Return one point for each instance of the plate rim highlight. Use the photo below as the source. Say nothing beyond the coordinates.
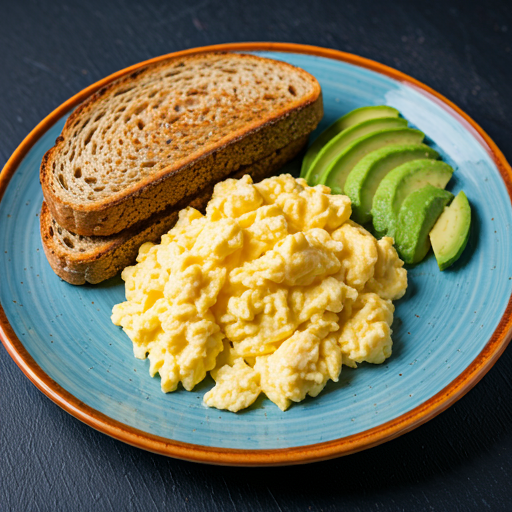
(266, 457)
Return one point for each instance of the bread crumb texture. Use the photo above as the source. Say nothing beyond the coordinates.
(271, 291)
(168, 114)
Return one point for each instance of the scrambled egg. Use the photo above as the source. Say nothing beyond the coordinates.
(271, 292)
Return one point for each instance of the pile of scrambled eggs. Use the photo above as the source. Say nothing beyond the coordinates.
(271, 292)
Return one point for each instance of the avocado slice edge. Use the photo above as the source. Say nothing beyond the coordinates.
(418, 214)
(336, 174)
(398, 184)
(450, 234)
(364, 179)
(341, 141)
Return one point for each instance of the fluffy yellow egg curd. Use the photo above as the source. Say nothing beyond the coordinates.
(271, 292)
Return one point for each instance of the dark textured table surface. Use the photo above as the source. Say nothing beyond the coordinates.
(461, 460)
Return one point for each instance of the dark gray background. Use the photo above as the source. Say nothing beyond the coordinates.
(462, 460)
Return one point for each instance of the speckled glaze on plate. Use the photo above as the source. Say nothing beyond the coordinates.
(449, 328)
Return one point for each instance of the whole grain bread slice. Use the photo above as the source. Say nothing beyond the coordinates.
(79, 259)
(166, 131)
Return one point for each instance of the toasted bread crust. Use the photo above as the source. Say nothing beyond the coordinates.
(157, 192)
(113, 253)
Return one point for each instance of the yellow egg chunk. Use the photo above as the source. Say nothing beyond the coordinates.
(359, 254)
(389, 279)
(365, 333)
(270, 291)
(237, 387)
(302, 364)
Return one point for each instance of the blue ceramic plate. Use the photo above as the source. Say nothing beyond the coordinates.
(449, 328)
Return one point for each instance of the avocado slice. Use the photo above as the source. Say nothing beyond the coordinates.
(353, 117)
(417, 216)
(336, 145)
(336, 173)
(365, 177)
(398, 184)
(450, 234)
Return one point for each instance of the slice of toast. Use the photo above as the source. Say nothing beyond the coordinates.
(166, 131)
(79, 259)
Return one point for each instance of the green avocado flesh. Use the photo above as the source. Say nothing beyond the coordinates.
(336, 174)
(364, 179)
(418, 214)
(450, 233)
(354, 117)
(398, 184)
(336, 145)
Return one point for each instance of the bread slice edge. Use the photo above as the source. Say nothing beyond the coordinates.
(150, 196)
